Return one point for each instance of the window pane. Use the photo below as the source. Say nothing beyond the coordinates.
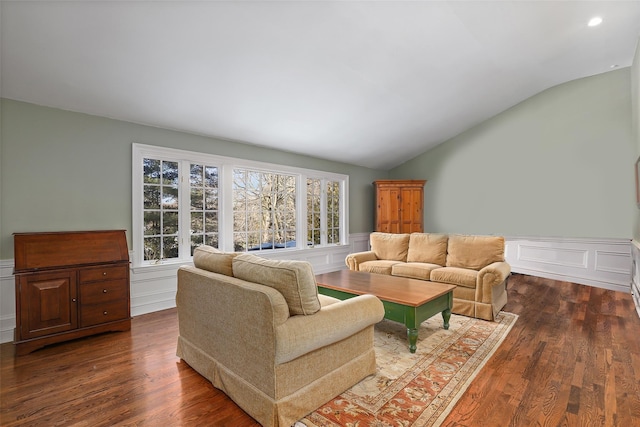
(210, 221)
(170, 197)
(170, 222)
(197, 222)
(196, 199)
(211, 176)
(152, 223)
(170, 247)
(196, 240)
(211, 240)
(151, 248)
(151, 171)
(170, 173)
(211, 199)
(195, 176)
(239, 242)
(152, 197)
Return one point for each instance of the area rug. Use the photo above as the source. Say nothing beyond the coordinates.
(419, 389)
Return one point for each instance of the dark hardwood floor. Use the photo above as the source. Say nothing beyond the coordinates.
(572, 358)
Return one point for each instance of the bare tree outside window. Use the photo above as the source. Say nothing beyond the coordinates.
(264, 210)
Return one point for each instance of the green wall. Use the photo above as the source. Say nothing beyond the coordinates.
(70, 171)
(635, 96)
(557, 164)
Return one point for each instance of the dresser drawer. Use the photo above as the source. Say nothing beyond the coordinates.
(95, 314)
(103, 273)
(100, 292)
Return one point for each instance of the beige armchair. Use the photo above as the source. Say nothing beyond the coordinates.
(259, 331)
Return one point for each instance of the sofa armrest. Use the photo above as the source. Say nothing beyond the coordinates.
(354, 260)
(490, 276)
(301, 334)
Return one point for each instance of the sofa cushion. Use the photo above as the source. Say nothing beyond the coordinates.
(455, 276)
(390, 246)
(293, 279)
(381, 266)
(211, 259)
(428, 247)
(414, 270)
(474, 252)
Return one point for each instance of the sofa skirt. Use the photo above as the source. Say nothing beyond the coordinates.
(346, 363)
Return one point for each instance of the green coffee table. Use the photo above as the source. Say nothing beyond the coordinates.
(408, 301)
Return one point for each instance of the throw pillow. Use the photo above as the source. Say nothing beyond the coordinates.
(212, 259)
(428, 248)
(388, 246)
(293, 279)
(474, 252)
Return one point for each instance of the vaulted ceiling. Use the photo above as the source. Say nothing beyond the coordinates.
(372, 83)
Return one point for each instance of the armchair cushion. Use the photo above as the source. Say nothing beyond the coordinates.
(428, 248)
(393, 247)
(293, 279)
(214, 260)
(474, 252)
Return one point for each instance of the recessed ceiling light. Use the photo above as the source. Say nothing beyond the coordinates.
(595, 21)
(615, 66)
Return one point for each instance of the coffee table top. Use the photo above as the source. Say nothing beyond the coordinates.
(402, 290)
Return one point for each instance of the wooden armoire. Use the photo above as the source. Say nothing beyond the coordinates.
(399, 205)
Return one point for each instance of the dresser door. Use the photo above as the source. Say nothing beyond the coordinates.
(48, 303)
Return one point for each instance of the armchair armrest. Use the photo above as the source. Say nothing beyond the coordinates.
(354, 260)
(490, 276)
(301, 334)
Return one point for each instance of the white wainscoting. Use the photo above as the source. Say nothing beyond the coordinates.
(153, 288)
(7, 301)
(635, 273)
(604, 263)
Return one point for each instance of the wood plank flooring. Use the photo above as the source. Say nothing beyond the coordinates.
(572, 359)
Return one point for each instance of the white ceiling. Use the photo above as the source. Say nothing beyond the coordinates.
(367, 83)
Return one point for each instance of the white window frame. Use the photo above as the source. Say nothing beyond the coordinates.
(225, 200)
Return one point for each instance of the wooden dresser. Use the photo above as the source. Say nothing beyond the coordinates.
(399, 205)
(70, 285)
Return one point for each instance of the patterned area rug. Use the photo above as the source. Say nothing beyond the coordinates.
(417, 389)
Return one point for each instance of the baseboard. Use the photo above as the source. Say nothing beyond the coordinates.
(603, 263)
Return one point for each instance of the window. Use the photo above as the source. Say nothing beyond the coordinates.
(160, 209)
(324, 220)
(183, 199)
(264, 210)
(203, 197)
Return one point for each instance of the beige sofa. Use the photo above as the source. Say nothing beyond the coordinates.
(259, 331)
(475, 264)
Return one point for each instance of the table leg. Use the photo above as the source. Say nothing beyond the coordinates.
(446, 315)
(412, 334)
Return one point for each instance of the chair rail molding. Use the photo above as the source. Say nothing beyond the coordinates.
(603, 263)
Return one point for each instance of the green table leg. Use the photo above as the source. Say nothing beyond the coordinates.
(412, 334)
(446, 315)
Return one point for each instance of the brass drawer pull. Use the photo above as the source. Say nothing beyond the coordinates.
(104, 291)
(105, 313)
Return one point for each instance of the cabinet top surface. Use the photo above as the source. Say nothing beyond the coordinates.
(49, 250)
